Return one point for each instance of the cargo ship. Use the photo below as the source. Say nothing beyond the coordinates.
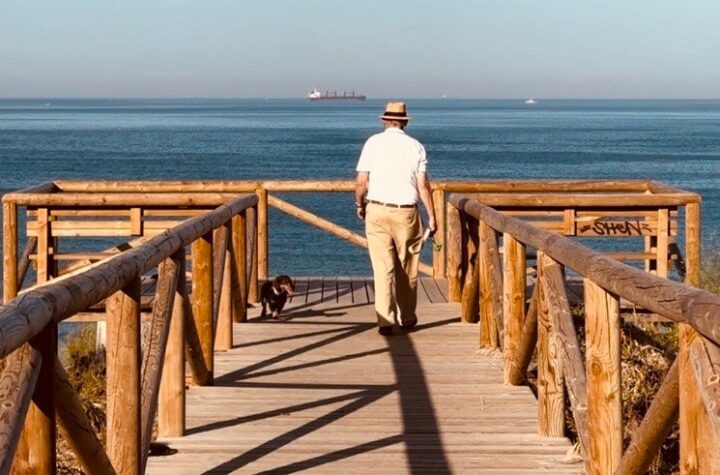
(316, 95)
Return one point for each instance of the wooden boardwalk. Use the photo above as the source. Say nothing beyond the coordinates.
(323, 393)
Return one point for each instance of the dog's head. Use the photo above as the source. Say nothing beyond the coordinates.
(284, 283)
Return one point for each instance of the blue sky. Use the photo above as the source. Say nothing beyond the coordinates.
(391, 48)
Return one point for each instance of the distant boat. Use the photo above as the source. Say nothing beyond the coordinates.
(316, 95)
(531, 101)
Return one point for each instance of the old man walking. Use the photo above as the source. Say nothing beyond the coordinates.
(391, 180)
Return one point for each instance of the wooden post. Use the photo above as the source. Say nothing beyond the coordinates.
(202, 297)
(262, 233)
(171, 406)
(155, 350)
(253, 287)
(491, 288)
(17, 383)
(514, 263)
(692, 244)
(551, 396)
(454, 254)
(604, 397)
(43, 261)
(696, 450)
(692, 410)
(663, 236)
(438, 258)
(123, 379)
(224, 332)
(10, 250)
(239, 269)
(469, 307)
(37, 444)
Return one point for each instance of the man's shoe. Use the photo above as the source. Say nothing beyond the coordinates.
(386, 330)
(408, 325)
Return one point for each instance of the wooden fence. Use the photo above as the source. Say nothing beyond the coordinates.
(230, 254)
(691, 388)
(34, 387)
(621, 209)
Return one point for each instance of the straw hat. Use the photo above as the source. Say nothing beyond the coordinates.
(395, 111)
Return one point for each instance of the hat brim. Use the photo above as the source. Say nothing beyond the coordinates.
(396, 117)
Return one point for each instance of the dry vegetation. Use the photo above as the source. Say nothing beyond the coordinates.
(85, 367)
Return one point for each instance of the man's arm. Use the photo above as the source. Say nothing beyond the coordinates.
(361, 186)
(427, 200)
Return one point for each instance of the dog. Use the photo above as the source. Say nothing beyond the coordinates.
(274, 294)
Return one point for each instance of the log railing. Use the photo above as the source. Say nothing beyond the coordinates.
(643, 209)
(545, 326)
(34, 387)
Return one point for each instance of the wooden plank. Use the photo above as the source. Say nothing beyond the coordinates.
(422, 295)
(123, 380)
(136, 221)
(514, 279)
(344, 291)
(275, 416)
(604, 396)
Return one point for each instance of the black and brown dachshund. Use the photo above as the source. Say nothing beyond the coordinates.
(274, 294)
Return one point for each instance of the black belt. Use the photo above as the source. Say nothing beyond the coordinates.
(390, 205)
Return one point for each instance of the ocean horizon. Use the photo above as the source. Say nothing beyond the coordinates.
(675, 141)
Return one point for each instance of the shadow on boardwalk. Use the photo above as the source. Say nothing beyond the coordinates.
(411, 387)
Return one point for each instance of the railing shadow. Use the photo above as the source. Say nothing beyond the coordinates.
(420, 427)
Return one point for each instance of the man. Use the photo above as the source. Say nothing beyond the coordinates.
(392, 172)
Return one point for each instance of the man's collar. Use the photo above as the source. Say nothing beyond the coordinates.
(395, 129)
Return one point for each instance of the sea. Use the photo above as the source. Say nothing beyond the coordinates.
(672, 141)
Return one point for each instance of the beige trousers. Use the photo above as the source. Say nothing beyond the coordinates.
(394, 241)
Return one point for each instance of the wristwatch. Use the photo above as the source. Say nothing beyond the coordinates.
(359, 205)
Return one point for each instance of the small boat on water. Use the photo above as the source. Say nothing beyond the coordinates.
(316, 95)
(531, 101)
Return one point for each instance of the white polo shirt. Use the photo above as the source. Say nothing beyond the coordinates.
(392, 158)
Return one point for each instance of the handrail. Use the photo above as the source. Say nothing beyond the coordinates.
(594, 385)
(24, 317)
(26, 323)
(673, 300)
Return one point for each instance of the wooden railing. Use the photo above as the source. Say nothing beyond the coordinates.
(164, 217)
(643, 209)
(545, 326)
(34, 387)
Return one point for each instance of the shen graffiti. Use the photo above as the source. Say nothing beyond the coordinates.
(617, 228)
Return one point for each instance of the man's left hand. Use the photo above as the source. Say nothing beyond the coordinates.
(432, 226)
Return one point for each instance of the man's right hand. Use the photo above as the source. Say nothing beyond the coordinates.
(360, 212)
